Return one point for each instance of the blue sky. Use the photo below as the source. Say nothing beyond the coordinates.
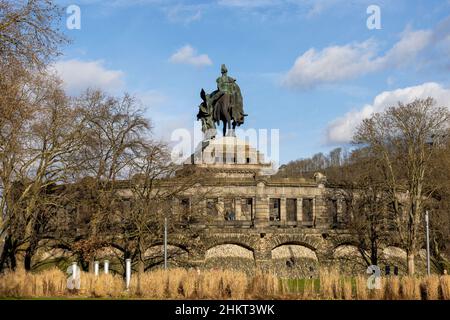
(311, 69)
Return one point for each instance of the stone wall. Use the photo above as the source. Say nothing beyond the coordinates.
(295, 253)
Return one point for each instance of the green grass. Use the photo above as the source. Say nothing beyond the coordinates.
(297, 285)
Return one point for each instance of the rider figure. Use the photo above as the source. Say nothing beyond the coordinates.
(208, 112)
(225, 83)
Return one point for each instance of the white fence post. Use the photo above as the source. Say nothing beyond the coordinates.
(128, 272)
(96, 267)
(74, 270)
(106, 266)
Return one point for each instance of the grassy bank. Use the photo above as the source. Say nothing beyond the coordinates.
(226, 284)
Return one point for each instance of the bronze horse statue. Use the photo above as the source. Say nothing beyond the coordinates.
(219, 109)
(224, 104)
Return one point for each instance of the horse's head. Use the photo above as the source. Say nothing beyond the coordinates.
(203, 95)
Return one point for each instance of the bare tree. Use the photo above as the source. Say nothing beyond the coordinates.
(440, 207)
(28, 42)
(114, 128)
(366, 205)
(28, 32)
(50, 137)
(400, 138)
(157, 188)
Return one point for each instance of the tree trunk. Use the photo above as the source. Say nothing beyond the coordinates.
(410, 263)
(5, 253)
(29, 253)
(91, 265)
(141, 266)
(27, 260)
(374, 254)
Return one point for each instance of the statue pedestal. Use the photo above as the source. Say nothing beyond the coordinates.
(230, 155)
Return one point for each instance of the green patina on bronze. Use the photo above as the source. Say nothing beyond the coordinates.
(224, 104)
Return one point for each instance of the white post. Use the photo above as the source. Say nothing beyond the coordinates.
(96, 267)
(74, 270)
(428, 242)
(128, 272)
(165, 243)
(106, 266)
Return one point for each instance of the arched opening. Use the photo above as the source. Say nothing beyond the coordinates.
(394, 258)
(294, 260)
(348, 259)
(230, 256)
(176, 256)
(46, 258)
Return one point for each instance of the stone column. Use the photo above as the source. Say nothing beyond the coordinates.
(299, 211)
(238, 208)
(320, 214)
(253, 213)
(261, 207)
(220, 209)
(203, 206)
(339, 210)
(314, 212)
(283, 217)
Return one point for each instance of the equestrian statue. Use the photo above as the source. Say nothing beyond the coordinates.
(222, 105)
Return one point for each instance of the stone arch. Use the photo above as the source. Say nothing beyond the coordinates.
(181, 245)
(114, 257)
(246, 241)
(394, 252)
(47, 257)
(348, 259)
(342, 240)
(178, 240)
(293, 239)
(177, 256)
(108, 253)
(294, 260)
(230, 256)
(394, 256)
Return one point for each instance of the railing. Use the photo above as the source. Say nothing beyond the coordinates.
(249, 224)
(278, 223)
(232, 223)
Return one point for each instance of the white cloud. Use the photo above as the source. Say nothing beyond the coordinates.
(184, 13)
(341, 130)
(331, 64)
(338, 63)
(188, 55)
(407, 48)
(79, 75)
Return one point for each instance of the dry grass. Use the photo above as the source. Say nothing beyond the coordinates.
(22, 284)
(329, 284)
(347, 289)
(430, 287)
(410, 288)
(104, 285)
(361, 288)
(392, 288)
(445, 287)
(222, 284)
